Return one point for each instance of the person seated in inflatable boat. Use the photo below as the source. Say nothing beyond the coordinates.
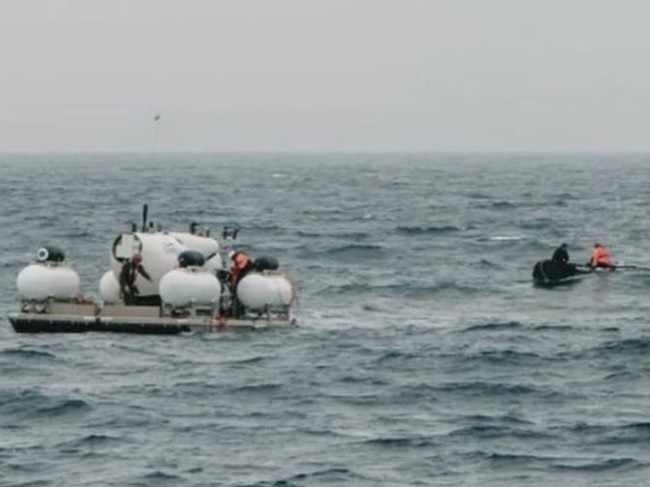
(600, 257)
(556, 269)
(561, 255)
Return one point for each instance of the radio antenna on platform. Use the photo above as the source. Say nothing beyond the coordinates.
(154, 135)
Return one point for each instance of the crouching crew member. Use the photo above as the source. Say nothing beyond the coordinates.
(130, 270)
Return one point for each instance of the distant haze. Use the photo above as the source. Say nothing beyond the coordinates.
(380, 75)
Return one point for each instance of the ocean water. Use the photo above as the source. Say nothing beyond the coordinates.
(424, 355)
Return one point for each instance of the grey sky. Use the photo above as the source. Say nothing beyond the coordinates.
(325, 74)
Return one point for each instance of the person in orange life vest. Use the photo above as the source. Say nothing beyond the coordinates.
(241, 264)
(600, 257)
(130, 270)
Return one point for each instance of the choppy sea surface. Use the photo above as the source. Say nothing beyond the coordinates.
(424, 355)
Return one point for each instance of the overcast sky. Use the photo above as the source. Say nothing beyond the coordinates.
(420, 75)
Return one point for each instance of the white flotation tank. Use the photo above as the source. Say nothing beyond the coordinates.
(109, 288)
(206, 245)
(189, 286)
(258, 291)
(159, 254)
(214, 263)
(41, 281)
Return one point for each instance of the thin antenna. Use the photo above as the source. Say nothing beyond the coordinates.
(154, 135)
(145, 211)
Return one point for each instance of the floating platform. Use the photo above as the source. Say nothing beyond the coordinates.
(173, 282)
(118, 318)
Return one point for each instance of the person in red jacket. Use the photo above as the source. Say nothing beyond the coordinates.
(600, 257)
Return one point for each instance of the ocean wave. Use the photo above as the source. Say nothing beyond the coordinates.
(496, 431)
(161, 476)
(494, 326)
(566, 196)
(623, 375)
(437, 288)
(432, 230)
(396, 355)
(506, 357)
(509, 418)
(262, 388)
(400, 290)
(356, 251)
(265, 228)
(507, 460)
(554, 328)
(366, 380)
(403, 441)
(31, 403)
(536, 224)
(344, 235)
(495, 389)
(503, 238)
(63, 407)
(608, 464)
(486, 264)
(92, 441)
(625, 346)
(497, 205)
(73, 234)
(15, 261)
(376, 308)
(26, 352)
(356, 398)
(611, 435)
(321, 211)
(478, 196)
(326, 476)
(255, 359)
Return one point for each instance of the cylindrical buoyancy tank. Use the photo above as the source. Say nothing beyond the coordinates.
(206, 245)
(182, 287)
(191, 258)
(50, 254)
(109, 288)
(265, 263)
(214, 263)
(258, 291)
(42, 281)
(159, 252)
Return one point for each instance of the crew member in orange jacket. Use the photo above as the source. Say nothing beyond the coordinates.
(600, 257)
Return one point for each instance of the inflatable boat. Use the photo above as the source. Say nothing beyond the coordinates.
(547, 273)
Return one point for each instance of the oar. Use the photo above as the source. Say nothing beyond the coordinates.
(632, 267)
(583, 269)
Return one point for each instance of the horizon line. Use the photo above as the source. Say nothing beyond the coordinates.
(331, 151)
